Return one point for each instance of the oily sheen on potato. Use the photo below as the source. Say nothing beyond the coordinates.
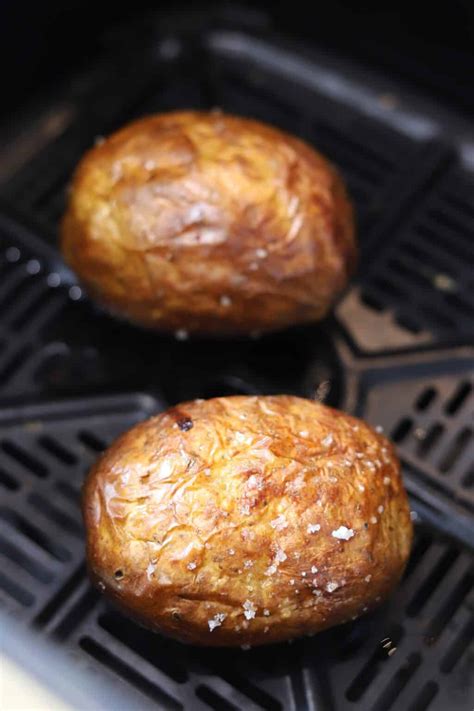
(208, 223)
(247, 520)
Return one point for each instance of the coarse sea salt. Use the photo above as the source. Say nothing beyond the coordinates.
(216, 621)
(313, 527)
(280, 556)
(343, 533)
(249, 609)
(279, 523)
(271, 570)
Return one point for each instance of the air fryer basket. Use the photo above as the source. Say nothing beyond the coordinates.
(397, 351)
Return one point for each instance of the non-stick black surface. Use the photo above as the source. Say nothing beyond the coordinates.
(397, 351)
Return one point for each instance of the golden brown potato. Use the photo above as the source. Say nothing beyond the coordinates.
(203, 222)
(247, 520)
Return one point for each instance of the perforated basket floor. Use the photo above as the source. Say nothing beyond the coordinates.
(397, 351)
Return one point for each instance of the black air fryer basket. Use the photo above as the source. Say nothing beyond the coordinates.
(398, 351)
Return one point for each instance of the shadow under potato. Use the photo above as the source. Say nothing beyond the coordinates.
(97, 348)
(180, 661)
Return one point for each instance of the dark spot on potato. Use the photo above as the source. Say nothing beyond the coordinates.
(118, 575)
(366, 525)
(185, 424)
(176, 615)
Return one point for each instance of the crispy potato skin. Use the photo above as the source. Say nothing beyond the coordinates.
(209, 223)
(211, 509)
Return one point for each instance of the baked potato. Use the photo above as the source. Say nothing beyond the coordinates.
(208, 223)
(247, 520)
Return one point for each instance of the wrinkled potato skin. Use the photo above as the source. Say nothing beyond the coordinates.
(188, 517)
(209, 223)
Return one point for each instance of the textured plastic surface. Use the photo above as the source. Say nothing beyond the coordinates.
(398, 351)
